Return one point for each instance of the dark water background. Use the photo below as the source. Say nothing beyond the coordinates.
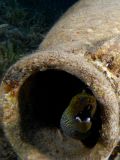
(24, 24)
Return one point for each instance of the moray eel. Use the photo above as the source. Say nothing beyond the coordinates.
(77, 120)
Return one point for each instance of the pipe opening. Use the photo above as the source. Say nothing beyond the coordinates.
(42, 99)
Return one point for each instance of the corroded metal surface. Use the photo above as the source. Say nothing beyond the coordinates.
(84, 43)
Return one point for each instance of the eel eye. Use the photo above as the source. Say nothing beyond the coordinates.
(89, 108)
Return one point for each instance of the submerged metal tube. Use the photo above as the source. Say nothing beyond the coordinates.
(84, 44)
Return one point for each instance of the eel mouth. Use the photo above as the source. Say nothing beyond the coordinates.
(43, 97)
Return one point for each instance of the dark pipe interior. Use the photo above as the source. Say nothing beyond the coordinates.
(43, 98)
